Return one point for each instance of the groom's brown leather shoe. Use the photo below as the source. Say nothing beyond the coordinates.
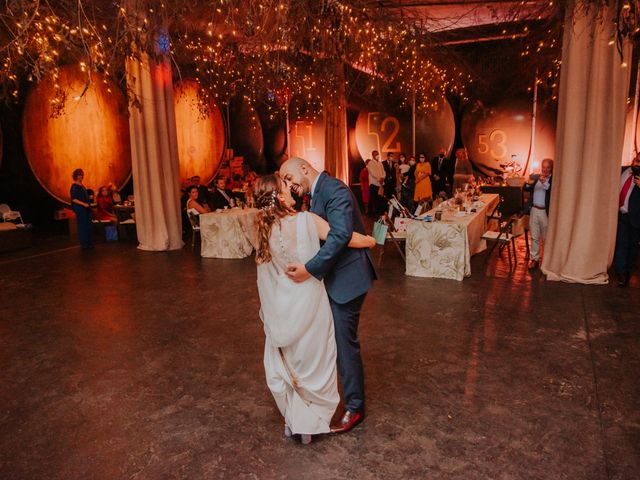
(348, 421)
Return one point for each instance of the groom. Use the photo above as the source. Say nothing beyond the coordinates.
(348, 274)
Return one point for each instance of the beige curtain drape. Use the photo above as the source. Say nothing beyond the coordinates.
(154, 154)
(336, 157)
(590, 133)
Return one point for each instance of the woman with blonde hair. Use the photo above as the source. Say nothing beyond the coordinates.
(300, 346)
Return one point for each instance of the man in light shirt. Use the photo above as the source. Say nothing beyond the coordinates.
(376, 179)
(628, 234)
(537, 207)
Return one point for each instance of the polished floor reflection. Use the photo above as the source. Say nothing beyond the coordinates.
(122, 364)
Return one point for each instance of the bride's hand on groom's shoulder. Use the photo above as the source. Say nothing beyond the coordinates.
(297, 272)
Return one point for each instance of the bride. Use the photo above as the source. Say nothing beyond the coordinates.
(300, 347)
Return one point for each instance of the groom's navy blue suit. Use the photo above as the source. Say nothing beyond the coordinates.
(348, 274)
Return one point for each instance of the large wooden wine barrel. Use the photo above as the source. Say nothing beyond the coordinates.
(274, 133)
(201, 140)
(246, 135)
(391, 132)
(495, 133)
(92, 132)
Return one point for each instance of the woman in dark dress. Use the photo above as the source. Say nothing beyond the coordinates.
(81, 206)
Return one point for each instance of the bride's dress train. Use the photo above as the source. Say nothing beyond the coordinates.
(300, 347)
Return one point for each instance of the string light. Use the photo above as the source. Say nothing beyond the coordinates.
(276, 53)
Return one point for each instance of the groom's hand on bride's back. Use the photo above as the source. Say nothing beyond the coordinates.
(297, 272)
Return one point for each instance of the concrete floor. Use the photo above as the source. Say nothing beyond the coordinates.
(122, 364)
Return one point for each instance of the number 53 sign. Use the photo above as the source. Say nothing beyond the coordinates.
(494, 144)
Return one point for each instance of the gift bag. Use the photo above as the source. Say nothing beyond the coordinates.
(380, 232)
(111, 233)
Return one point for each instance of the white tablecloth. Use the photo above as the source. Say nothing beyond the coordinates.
(444, 249)
(229, 233)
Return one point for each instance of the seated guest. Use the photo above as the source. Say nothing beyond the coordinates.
(92, 197)
(193, 206)
(236, 183)
(114, 194)
(221, 196)
(203, 193)
(104, 209)
(538, 208)
(628, 234)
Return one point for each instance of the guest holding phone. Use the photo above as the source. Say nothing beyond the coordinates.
(628, 234)
(537, 207)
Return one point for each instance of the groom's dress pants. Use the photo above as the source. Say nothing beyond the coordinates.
(345, 319)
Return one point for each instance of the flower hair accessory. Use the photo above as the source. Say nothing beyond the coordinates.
(267, 201)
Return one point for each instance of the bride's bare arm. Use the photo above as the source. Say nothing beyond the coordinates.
(357, 240)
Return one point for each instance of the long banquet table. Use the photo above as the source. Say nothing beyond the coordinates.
(228, 233)
(443, 249)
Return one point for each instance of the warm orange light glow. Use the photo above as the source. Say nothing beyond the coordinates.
(392, 133)
(492, 136)
(200, 139)
(92, 133)
(307, 140)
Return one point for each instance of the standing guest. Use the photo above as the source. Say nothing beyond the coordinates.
(403, 165)
(407, 189)
(423, 192)
(194, 207)
(364, 184)
(538, 208)
(81, 205)
(221, 197)
(389, 183)
(462, 171)
(628, 234)
(376, 180)
(440, 173)
(203, 193)
(401, 170)
(104, 209)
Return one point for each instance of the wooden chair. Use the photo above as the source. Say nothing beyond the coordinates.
(194, 220)
(125, 222)
(504, 236)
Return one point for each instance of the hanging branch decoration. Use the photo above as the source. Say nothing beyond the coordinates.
(258, 49)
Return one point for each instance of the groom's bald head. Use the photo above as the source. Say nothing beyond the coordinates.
(298, 174)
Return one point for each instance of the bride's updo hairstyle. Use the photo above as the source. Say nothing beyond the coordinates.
(270, 211)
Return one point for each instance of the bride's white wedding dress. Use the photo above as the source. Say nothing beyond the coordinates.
(300, 346)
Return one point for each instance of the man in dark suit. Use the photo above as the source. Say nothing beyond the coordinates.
(348, 274)
(440, 173)
(628, 234)
(221, 196)
(390, 175)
